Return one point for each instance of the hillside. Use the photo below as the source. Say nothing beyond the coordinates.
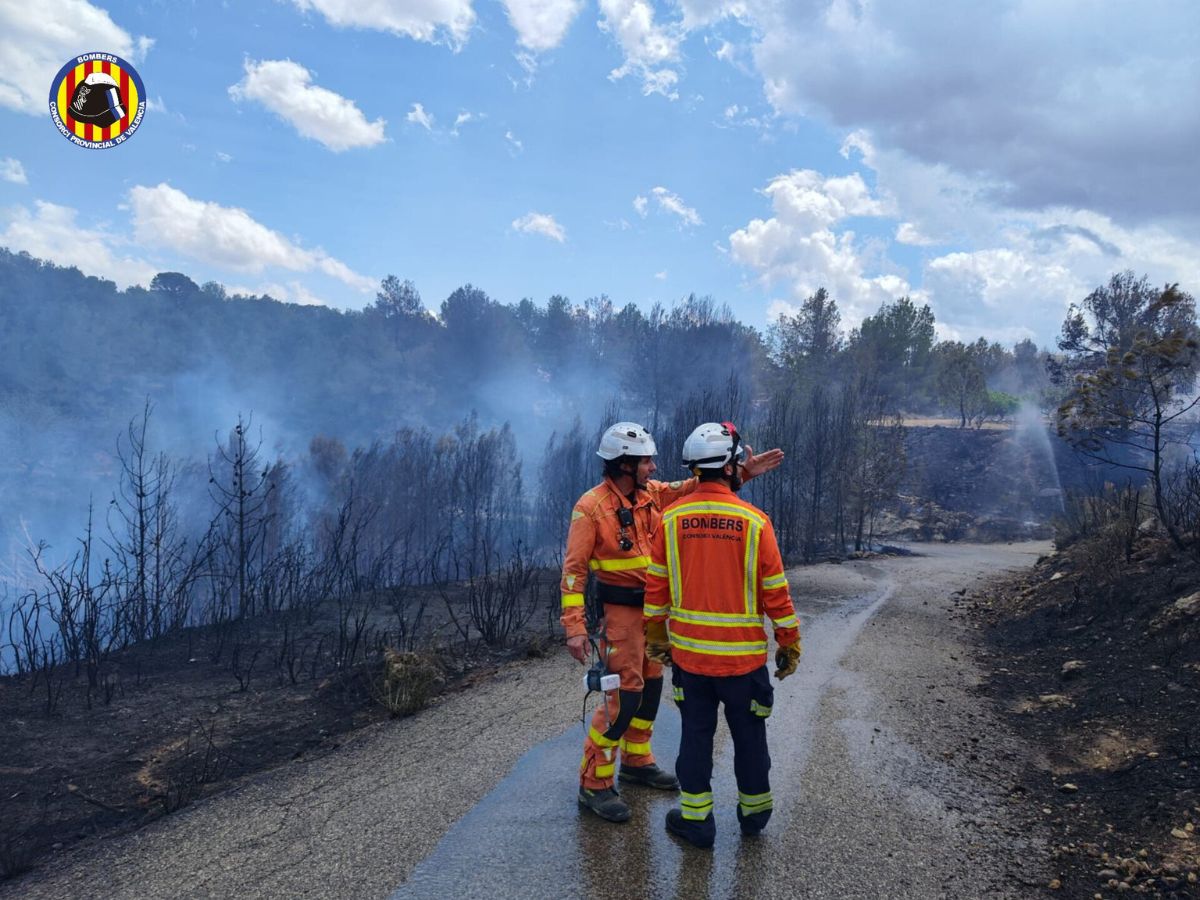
(1095, 662)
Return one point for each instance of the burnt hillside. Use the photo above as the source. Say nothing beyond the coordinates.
(982, 484)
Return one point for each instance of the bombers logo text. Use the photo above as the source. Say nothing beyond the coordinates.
(97, 101)
(717, 522)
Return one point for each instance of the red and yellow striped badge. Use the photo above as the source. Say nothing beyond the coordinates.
(97, 101)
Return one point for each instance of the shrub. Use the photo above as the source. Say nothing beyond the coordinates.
(408, 681)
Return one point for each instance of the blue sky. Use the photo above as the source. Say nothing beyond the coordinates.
(997, 161)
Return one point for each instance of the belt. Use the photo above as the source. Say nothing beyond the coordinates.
(622, 596)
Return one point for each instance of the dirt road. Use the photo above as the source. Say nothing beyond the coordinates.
(890, 779)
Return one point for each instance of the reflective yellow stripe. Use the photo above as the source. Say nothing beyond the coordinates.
(572, 600)
(719, 648)
(636, 749)
(606, 771)
(677, 694)
(759, 709)
(696, 806)
(727, 620)
(657, 570)
(775, 581)
(600, 740)
(752, 569)
(655, 610)
(619, 565)
(787, 622)
(643, 724)
(752, 803)
(672, 540)
(712, 506)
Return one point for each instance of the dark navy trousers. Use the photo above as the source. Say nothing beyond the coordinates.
(747, 699)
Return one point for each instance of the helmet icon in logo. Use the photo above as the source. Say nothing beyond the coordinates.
(97, 101)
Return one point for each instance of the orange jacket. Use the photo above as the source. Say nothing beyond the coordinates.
(715, 570)
(593, 542)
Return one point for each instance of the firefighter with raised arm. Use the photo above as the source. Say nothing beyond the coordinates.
(609, 538)
(715, 570)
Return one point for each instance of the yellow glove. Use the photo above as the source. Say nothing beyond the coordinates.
(658, 645)
(786, 659)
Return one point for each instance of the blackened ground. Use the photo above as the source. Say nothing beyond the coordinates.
(185, 717)
(1095, 661)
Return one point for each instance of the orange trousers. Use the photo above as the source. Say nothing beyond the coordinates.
(624, 721)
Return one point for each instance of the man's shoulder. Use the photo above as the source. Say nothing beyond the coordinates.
(592, 498)
(665, 494)
(655, 485)
(720, 500)
(752, 508)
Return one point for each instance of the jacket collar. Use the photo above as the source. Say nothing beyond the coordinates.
(714, 488)
(640, 497)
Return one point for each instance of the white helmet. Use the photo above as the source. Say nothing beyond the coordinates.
(712, 445)
(626, 439)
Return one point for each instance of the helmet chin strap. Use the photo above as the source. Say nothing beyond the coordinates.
(631, 470)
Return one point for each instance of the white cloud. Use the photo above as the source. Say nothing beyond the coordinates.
(528, 61)
(810, 201)
(286, 88)
(699, 13)
(977, 292)
(798, 247)
(1043, 263)
(225, 236)
(292, 292)
(462, 119)
(12, 170)
(542, 24)
(418, 116)
(435, 21)
(650, 49)
(661, 276)
(673, 204)
(641, 205)
(37, 39)
(908, 233)
(513, 142)
(53, 232)
(540, 223)
(224, 157)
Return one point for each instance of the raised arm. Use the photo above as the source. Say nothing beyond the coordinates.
(757, 464)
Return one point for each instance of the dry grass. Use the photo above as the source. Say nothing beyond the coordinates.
(408, 681)
(947, 422)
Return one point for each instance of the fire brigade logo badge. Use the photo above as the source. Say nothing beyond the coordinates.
(97, 101)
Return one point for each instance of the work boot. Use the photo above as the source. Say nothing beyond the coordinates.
(753, 823)
(649, 776)
(699, 834)
(607, 804)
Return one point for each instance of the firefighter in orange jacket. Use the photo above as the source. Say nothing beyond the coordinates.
(715, 570)
(609, 537)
